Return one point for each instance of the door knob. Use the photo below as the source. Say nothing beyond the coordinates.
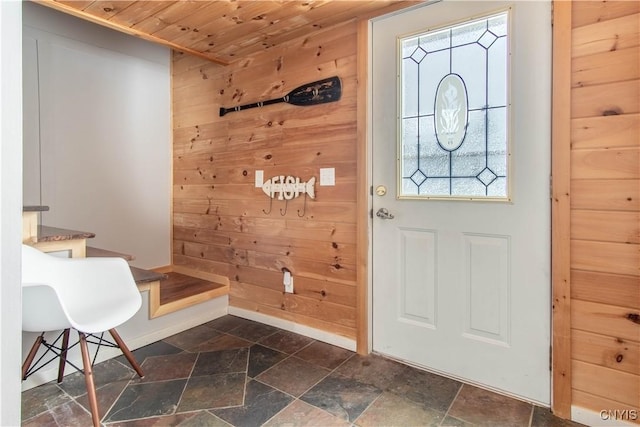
(384, 214)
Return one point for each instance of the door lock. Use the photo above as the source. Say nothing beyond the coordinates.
(383, 213)
(381, 190)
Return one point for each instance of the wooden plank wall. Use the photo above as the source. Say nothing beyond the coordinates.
(219, 221)
(605, 205)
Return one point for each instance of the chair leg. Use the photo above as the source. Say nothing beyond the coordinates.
(88, 378)
(127, 353)
(32, 354)
(63, 354)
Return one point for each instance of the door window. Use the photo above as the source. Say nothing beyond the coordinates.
(454, 111)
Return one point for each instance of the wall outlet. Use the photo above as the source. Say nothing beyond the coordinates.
(287, 280)
(328, 176)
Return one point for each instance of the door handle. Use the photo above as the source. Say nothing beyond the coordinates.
(383, 213)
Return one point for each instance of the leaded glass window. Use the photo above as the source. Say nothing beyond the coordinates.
(454, 111)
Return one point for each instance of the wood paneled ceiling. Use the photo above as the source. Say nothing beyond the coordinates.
(222, 30)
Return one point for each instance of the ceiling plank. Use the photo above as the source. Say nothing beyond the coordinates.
(223, 31)
(131, 31)
(138, 11)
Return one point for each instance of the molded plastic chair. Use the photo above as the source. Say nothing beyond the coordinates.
(90, 295)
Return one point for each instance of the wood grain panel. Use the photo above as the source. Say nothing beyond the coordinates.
(606, 288)
(606, 99)
(606, 132)
(606, 257)
(295, 304)
(604, 319)
(313, 322)
(621, 227)
(608, 383)
(623, 163)
(137, 11)
(182, 63)
(337, 211)
(604, 36)
(592, 12)
(344, 171)
(334, 271)
(220, 218)
(264, 228)
(320, 290)
(605, 207)
(107, 9)
(599, 403)
(606, 67)
(605, 194)
(198, 264)
(607, 351)
(321, 252)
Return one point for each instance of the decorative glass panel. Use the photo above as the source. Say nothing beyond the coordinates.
(454, 111)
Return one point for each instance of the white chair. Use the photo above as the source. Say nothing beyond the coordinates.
(90, 295)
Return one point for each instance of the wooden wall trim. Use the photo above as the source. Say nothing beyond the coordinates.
(560, 210)
(362, 199)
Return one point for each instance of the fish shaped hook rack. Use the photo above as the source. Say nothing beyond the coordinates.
(288, 188)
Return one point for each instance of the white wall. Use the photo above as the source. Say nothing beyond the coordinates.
(98, 133)
(10, 209)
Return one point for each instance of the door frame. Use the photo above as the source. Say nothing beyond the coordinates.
(560, 363)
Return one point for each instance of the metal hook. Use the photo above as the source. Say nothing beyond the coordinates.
(270, 205)
(304, 207)
(286, 204)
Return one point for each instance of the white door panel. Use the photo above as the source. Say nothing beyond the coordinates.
(463, 287)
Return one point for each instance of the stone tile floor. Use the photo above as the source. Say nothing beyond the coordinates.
(237, 372)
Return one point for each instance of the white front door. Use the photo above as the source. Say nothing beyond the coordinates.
(461, 245)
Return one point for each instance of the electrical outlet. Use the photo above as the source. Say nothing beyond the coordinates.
(287, 280)
(288, 288)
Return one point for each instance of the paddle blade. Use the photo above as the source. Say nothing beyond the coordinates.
(320, 92)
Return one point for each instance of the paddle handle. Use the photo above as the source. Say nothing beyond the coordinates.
(224, 111)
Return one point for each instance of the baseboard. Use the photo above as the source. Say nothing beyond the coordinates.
(175, 328)
(604, 418)
(287, 325)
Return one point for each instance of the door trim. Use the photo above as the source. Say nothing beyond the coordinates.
(560, 210)
(363, 198)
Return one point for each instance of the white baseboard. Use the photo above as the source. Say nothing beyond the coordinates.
(605, 418)
(287, 325)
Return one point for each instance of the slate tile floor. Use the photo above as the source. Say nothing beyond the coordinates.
(233, 371)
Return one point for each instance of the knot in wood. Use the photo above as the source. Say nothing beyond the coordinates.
(634, 317)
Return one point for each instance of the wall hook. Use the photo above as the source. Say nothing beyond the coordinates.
(270, 205)
(286, 205)
(304, 207)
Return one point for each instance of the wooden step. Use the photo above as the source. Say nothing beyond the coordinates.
(142, 276)
(173, 290)
(178, 286)
(184, 288)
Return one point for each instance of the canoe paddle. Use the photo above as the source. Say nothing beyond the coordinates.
(320, 92)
